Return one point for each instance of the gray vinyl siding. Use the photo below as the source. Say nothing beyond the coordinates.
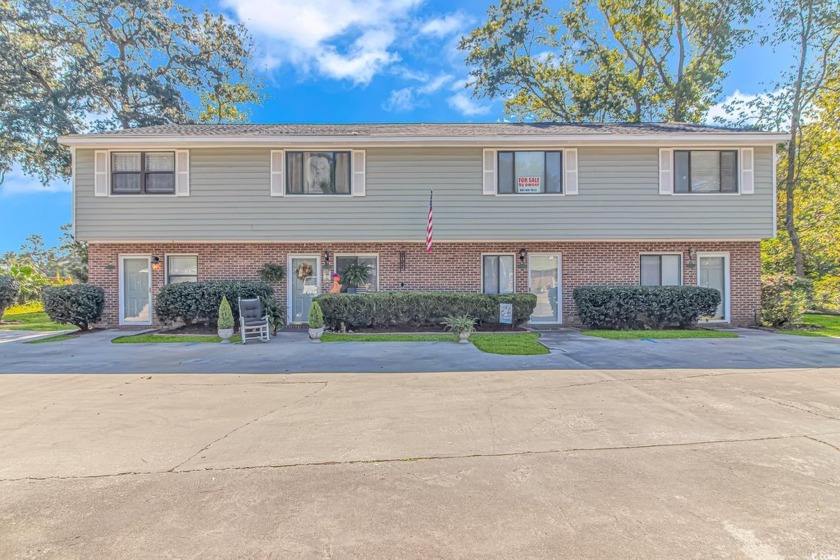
(229, 201)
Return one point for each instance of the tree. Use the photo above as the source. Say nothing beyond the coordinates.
(607, 60)
(805, 102)
(69, 67)
(75, 255)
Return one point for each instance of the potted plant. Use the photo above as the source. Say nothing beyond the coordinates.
(462, 325)
(355, 275)
(316, 322)
(225, 322)
(276, 315)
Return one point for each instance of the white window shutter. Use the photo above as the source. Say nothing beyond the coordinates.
(182, 173)
(357, 184)
(570, 157)
(278, 177)
(489, 172)
(666, 171)
(101, 173)
(747, 171)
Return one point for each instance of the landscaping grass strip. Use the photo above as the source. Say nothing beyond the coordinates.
(58, 338)
(520, 344)
(32, 321)
(829, 326)
(659, 334)
(386, 337)
(154, 338)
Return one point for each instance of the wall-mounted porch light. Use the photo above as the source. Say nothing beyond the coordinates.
(522, 254)
(156, 263)
(327, 257)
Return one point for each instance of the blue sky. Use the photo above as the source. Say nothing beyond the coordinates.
(347, 61)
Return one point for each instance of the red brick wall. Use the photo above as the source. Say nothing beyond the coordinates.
(452, 266)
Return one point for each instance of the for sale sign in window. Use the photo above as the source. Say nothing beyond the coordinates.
(528, 185)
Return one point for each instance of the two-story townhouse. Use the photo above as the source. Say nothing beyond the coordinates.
(517, 208)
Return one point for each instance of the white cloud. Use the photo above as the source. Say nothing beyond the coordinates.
(440, 27)
(16, 183)
(407, 99)
(341, 39)
(466, 105)
(717, 114)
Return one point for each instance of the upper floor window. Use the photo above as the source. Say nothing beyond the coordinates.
(661, 270)
(318, 173)
(530, 172)
(706, 171)
(143, 173)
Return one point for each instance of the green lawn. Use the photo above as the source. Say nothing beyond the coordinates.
(386, 337)
(829, 325)
(516, 344)
(154, 338)
(57, 338)
(519, 344)
(32, 321)
(660, 334)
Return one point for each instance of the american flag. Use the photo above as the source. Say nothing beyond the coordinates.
(430, 225)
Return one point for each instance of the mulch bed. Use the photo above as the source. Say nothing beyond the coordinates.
(426, 330)
(193, 330)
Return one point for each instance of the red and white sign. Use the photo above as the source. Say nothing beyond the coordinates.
(528, 184)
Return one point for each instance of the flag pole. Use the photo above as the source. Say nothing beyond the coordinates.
(430, 223)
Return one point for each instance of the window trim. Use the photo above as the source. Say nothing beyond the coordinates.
(337, 255)
(481, 269)
(690, 149)
(166, 265)
(143, 172)
(303, 150)
(659, 254)
(561, 151)
(727, 268)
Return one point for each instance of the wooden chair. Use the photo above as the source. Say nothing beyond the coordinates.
(253, 323)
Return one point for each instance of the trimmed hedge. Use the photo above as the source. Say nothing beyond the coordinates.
(419, 309)
(629, 307)
(199, 301)
(76, 304)
(9, 290)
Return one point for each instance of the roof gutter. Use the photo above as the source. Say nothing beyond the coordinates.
(117, 140)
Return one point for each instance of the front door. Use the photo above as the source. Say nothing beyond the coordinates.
(712, 273)
(304, 284)
(135, 291)
(544, 282)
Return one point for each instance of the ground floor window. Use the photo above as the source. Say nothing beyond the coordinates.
(497, 274)
(661, 270)
(343, 263)
(181, 268)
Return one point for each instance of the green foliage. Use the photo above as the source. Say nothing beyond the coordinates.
(69, 259)
(659, 334)
(77, 304)
(8, 292)
(30, 281)
(225, 320)
(76, 67)
(270, 272)
(276, 315)
(459, 324)
(628, 307)
(611, 60)
(827, 293)
(784, 299)
(355, 274)
(189, 302)
(419, 309)
(316, 316)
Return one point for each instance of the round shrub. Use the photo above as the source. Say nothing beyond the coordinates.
(8, 292)
(628, 307)
(76, 304)
(784, 299)
(189, 302)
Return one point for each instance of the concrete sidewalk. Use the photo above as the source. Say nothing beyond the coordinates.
(291, 352)
(596, 463)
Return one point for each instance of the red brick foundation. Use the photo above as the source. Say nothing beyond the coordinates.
(452, 266)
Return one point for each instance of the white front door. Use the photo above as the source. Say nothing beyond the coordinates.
(544, 282)
(304, 284)
(713, 272)
(135, 290)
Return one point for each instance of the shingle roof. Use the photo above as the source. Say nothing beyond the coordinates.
(416, 130)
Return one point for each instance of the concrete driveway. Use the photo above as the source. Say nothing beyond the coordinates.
(518, 464)
(291, 352)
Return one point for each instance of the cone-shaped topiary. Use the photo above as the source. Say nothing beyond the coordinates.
(316, 316)
(225, 315)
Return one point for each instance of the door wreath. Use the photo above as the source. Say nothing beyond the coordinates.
(303, 271)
